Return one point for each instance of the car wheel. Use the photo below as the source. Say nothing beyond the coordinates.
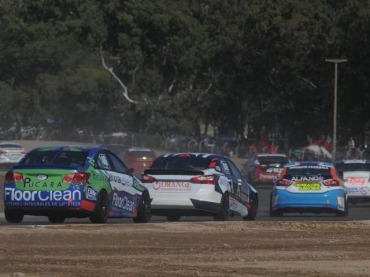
(56, 218)
(173, 217)
(252, 212)
(100, 214)
(145, 210)
(223, 214)
(345, 212)
(13, 216)
(274, 213)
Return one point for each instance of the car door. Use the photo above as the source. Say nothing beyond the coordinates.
(241, 188)
(123, 196)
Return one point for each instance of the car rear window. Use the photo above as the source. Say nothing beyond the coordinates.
(266, 160)
(182, 162)
(117, 149)
(308, 172)
(10, 145)
(142, 153)
(55, 158)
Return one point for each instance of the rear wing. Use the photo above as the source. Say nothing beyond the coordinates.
(172, 171)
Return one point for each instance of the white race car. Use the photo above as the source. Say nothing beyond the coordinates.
(356, 176)
(188, 184)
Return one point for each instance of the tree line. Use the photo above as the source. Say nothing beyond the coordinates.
(245, 68)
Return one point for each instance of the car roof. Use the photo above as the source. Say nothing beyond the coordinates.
(271, 155)
(195, 154)
(67, 148)
(4, 143)
(309, 163)
(132, 149)
(352, 161)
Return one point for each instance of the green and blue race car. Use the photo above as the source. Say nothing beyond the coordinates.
(74, 181)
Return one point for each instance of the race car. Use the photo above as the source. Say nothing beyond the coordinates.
(264, 168)
(356, 176)
(74, 181)
(11, 153)
(309, 186)
(202, 184)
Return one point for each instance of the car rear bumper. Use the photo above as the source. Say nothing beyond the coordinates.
(292, 202)
(202, 200)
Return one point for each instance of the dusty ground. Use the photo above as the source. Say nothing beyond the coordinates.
(187, 249)
(237, 248)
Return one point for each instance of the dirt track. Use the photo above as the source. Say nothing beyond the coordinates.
(187, 249)
(236, 248)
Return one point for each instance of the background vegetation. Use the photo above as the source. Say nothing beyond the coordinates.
(248, 68)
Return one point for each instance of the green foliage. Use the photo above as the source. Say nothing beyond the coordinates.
(227, 63)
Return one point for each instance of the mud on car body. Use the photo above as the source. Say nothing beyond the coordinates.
(188, 184)
(74, 181)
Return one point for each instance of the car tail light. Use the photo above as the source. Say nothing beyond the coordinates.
(283, 182)
(332, 183)
(79, 178)
(3, 152)
(185, 155)
(12, 177)
(259, 169)
(148, 179)
(144, 159)
(207, 180)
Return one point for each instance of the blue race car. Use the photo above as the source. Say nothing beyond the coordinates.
(312, 187)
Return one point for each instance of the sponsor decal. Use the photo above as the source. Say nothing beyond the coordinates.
(172, 186)
(308, 186)
(356, 181)
(91, 194)
(358, 191)
(119, 182)
(307, 178)
(268, 177)
(41, 184)
(364, 190)
(274, 170)
(123, 203)
(308, 167)
(26, 198)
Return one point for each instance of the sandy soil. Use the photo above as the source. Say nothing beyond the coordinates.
(187, 249)
(236, 248)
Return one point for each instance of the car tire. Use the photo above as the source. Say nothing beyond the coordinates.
(252, 212)
(56, 218)
(13, 216)
(100, 214)
(173, 218)
(275, 213)
(345, 212)
(223, 214)
(144, 210)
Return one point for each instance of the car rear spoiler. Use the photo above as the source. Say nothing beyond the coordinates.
(172, 171)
